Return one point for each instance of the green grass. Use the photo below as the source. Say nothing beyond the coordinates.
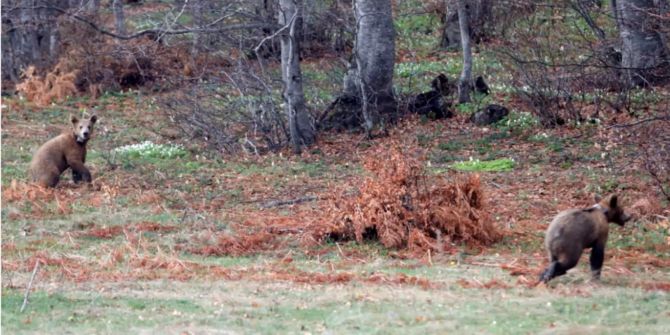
(497, 165)
(89, 313)
(282, 307)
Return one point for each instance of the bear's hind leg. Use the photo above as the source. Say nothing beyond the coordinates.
(47, 179)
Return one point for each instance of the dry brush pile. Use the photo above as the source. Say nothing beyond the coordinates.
(403, 206)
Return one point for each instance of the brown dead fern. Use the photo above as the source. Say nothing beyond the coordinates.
(404, 207)
(55, 86)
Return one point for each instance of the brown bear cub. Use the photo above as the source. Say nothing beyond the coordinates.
(434, 103)
(68, 150)
(574, 230)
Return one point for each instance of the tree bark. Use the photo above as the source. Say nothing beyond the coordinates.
(644, 55)
(301, 127)
(464, 84)
(119, 17)
(375, 59)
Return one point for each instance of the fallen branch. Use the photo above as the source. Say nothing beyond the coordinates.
(624, 125)
(277, 203)
(30, 285)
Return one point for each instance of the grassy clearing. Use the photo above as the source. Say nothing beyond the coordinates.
(271, 307)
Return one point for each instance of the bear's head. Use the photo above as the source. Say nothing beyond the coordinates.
(441, 84)
(83, 128)
(613, 210)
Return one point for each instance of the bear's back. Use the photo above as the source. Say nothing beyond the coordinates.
(50, 157)
(575, 227)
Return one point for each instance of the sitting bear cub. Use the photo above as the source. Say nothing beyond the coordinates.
(67, 150)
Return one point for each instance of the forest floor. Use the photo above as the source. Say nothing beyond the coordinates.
(150, 246)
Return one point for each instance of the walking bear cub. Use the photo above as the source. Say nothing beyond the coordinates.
(67, 150)
(574, 230)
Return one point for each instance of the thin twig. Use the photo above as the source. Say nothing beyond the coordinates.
(30, 285)
(277, 33)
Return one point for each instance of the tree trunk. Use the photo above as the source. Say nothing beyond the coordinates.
(119, 17)
(300, 126)
(480, 21)
(367, 93)
(198, 21)
(644, 55)
(464, 84)
(375, 58)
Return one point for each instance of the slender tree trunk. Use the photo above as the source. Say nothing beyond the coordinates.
(464, 84)
(375, 59)
(198, 21)
(300, 125)
(644, 54)
(615, 14)
(119, 17)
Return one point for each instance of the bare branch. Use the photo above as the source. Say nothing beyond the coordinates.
(157, 32)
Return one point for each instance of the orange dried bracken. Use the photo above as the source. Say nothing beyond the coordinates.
(404, 207)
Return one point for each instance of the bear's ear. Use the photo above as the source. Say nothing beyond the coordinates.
(93, 118)
(74, 119)
(614, 201)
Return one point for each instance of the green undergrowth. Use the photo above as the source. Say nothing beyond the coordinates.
(496, 165)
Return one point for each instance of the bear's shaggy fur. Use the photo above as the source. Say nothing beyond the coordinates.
(68, 150)
(489, 115)
(481, 87)
(574, 230)
(434, 103)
